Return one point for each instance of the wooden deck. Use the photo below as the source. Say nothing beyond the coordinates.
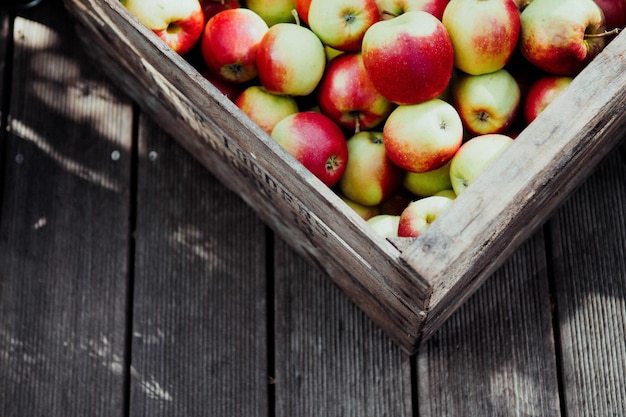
(132, 283)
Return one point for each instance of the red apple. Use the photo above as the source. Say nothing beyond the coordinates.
(391, 8)
(290, 60)
(213, 7)
(541, 93)
(341, 24)
(264, 108)
(562, 36)
(614, 13)
(422, 137)
(229, 44)
(370, 177)
(229, 89)
(302, 7)
(316, 142)
(420, 214)
(409, 58)
(178, 23)
(347, 95)
(484, 33)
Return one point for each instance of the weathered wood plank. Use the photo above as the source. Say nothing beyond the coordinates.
(64, 229)
(4, 45)
(589, 247)
(495, 356)
(199, 321)
(331, 360)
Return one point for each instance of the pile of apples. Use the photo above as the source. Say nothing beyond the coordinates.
(397, 105)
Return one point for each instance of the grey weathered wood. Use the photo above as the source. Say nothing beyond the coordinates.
(589, 257)
(63, 229)
(199, 345)
(496, 356)
(331, 360)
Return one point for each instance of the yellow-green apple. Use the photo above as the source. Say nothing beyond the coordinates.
(290, 60)
(212, 7)
(424, 184)
(273, 11)
(178, 23)
(302, 8)
(316, 141)
(487, 103)
(409, 58)
(562, 36)
(264, 108)
(474, 157)
(365, 212)
(341, 24)
(614, 13)
(484, 33)
(386, 225)
(230, 42)
(541, 93)
(420, 214)
(446, 193)
(370, 177)
(347, 95)
(422, 137)
(391, 8)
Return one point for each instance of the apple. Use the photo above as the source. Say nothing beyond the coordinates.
(341, 24)
(230, 42)
(409, 58)
(391, 8)
(474, 157)
(521, 4)
(264, 108)
(614, 13)
(541, 93)
(316, 142)
(421, 137)
(370, 177)
(425, 184)
(178, 23)
(290, 60)
(302, 8)
(396, 202)
(212, 7)
(484, 33)
(273, 11)
(365, 212)
(420, 214)
(386, 225)
(487, 103)
(446, 193)
(347, 95)
(562, 36)
(230, 89)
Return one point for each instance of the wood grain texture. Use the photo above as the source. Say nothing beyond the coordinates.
(331, 360)
(199, 321)
(64, 237)
(589, 247)
(495, 356)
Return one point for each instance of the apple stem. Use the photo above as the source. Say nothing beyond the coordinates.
(357, 125)
(603, 34)
(295, 15)
(388, 13)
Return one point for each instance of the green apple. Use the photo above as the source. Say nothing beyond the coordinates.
(273, 11)
(484, 33)
(424, 184)
(264, 108)
(365, 212)
(420, 214)
(474, 157)
(422, 137)
(386, 225)
(290, 60)
(487, 103)
(370, 177)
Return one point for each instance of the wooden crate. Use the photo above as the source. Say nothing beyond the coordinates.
(408, 287)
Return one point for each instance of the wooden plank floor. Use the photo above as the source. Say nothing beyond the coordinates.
(132, 283)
